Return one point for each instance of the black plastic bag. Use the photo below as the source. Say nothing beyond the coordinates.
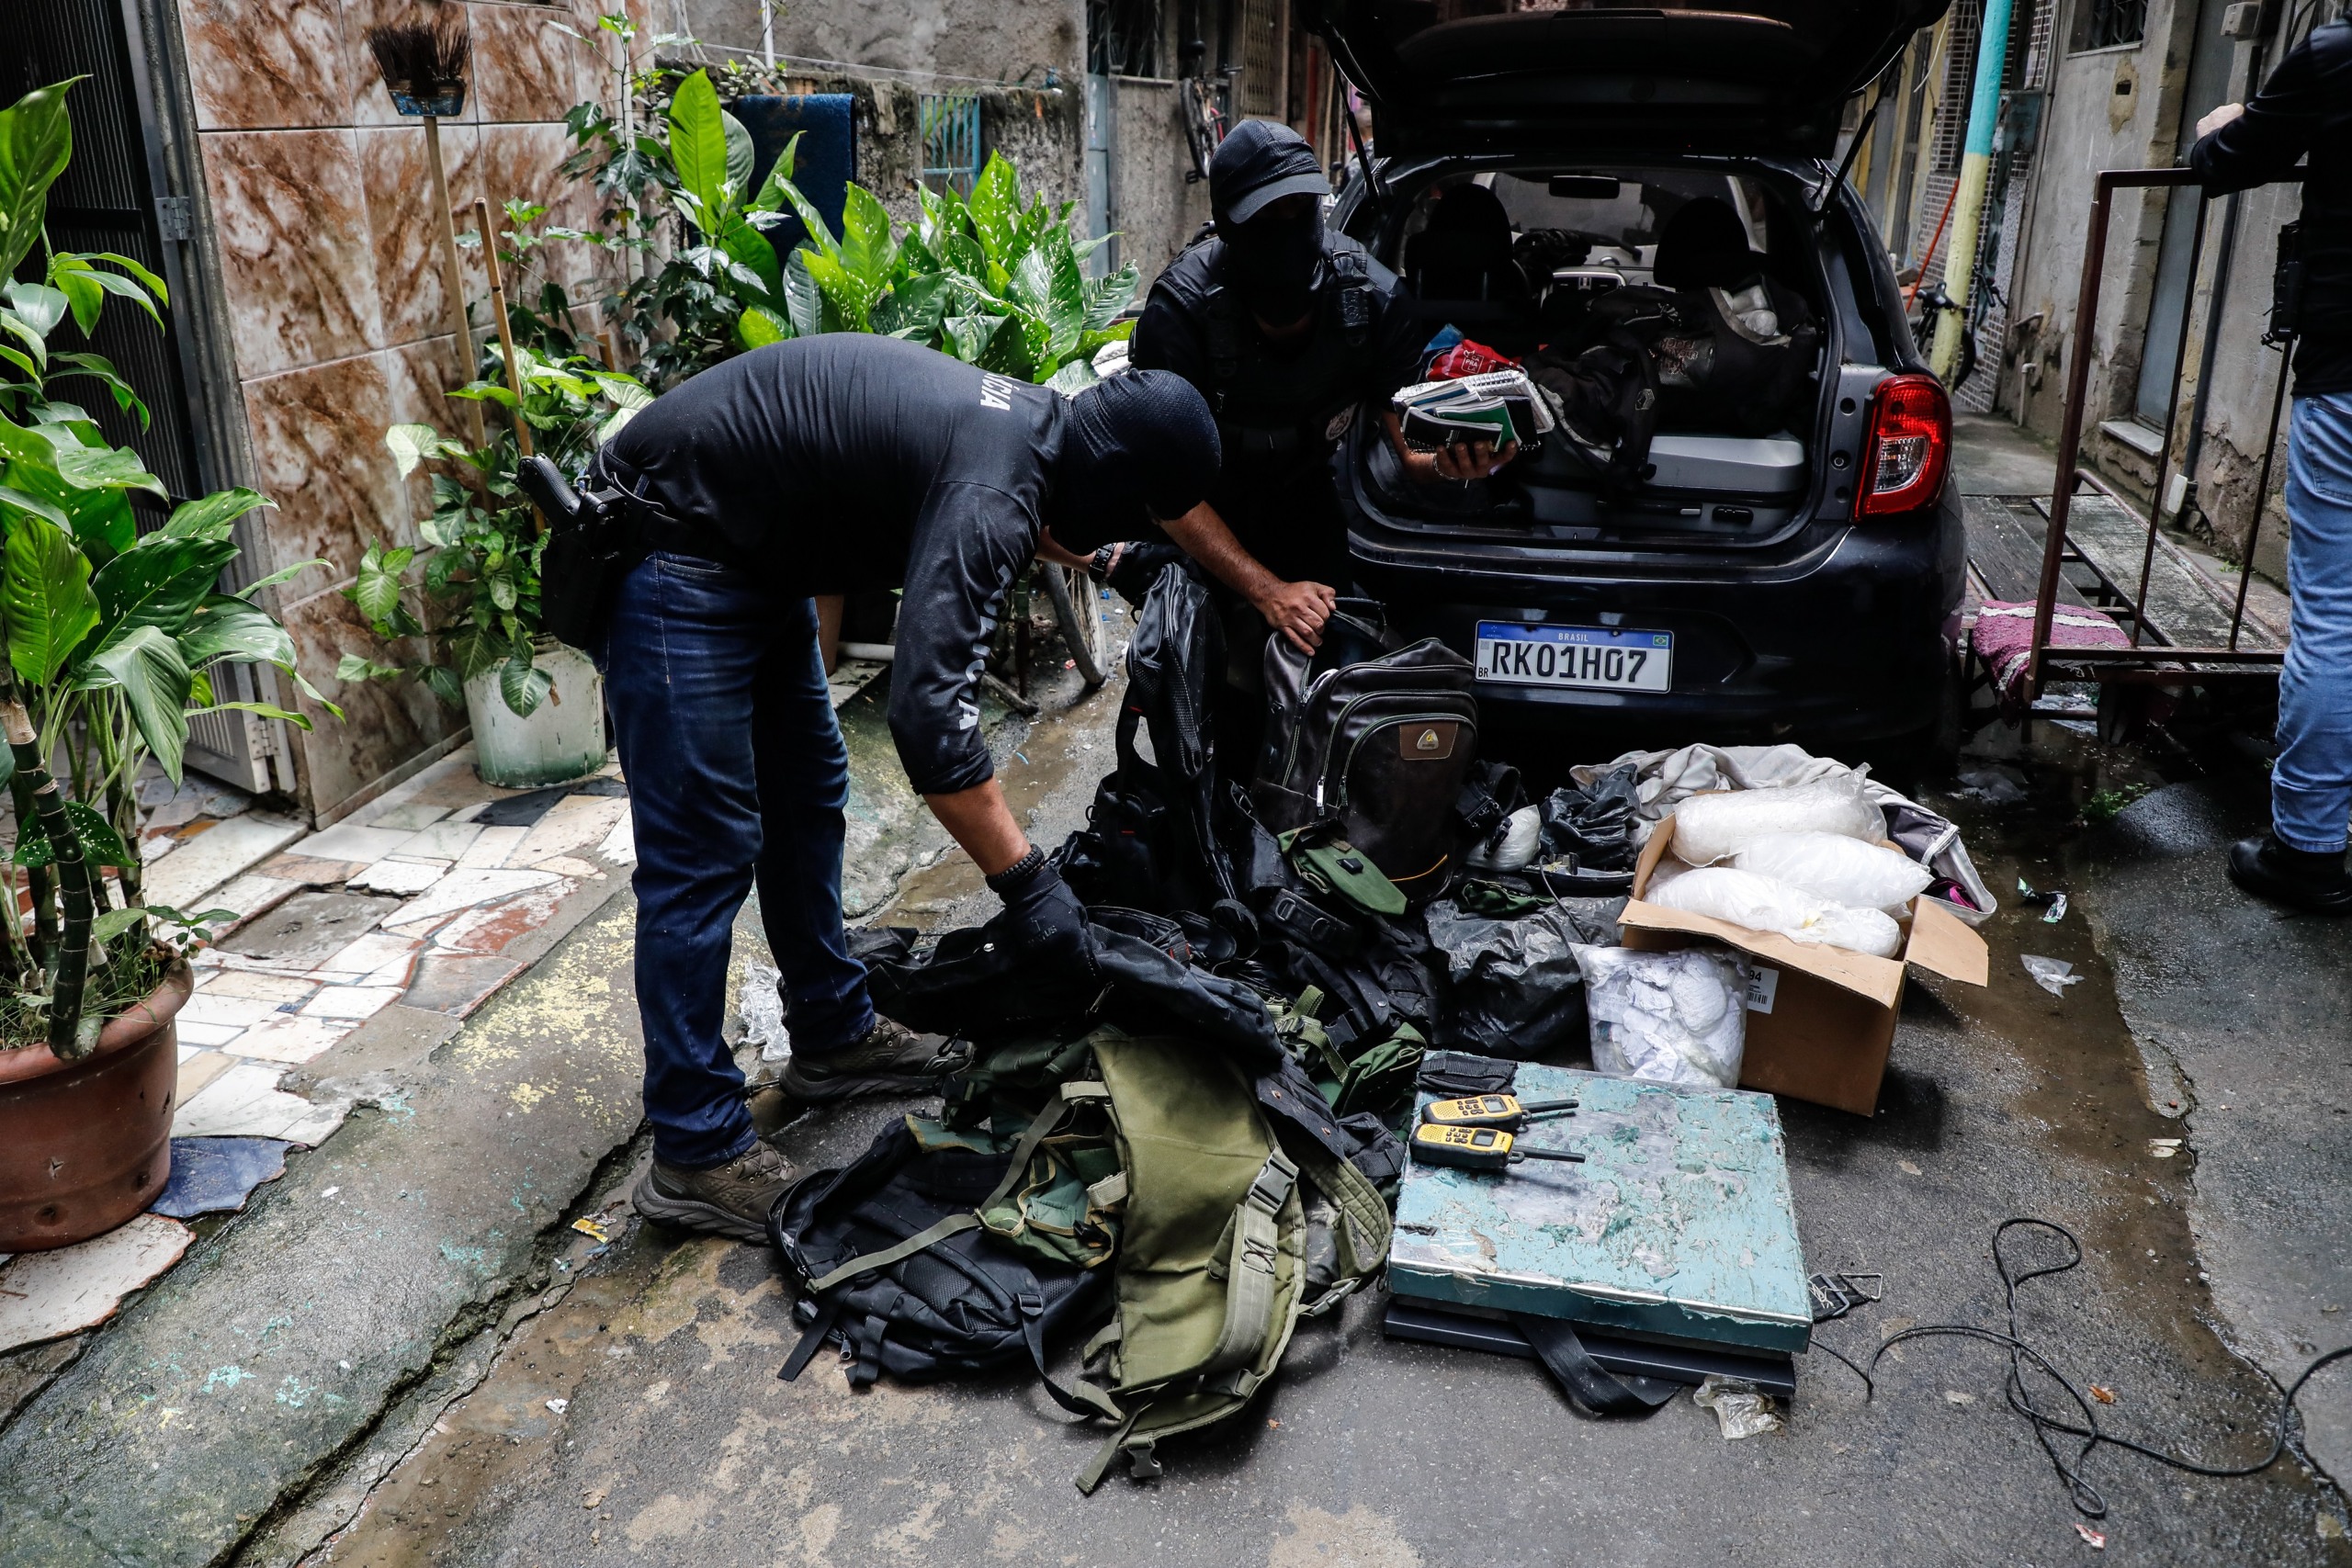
(1514, 988)
(1594, 824)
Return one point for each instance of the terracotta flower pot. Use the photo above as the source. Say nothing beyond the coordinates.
(86, 1144)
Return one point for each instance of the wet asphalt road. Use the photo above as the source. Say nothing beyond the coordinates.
(638, 1418)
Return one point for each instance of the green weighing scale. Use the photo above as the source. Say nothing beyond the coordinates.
(1671, 1246)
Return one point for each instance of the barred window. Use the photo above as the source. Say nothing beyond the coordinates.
(2101, 24)
(951, 140)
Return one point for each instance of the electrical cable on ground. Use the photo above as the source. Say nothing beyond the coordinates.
(2087, 1498)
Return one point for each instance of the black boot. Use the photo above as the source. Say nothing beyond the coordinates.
(2313, 883)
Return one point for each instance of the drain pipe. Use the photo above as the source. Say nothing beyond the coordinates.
(1976, 172)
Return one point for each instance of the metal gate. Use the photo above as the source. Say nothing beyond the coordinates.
(116, 196)
(2093, 531)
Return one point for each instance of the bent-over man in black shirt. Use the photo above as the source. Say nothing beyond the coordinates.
(832, 465)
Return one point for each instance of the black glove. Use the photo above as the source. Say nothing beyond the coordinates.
(1138, 567)
(1042, 914)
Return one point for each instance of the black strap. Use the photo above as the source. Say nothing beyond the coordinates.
(1084, 1399)
(1225, 341)
(868, 1369)
(1583, 1379)
(798, 1362)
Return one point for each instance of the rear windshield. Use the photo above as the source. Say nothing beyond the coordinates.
(1610, 220)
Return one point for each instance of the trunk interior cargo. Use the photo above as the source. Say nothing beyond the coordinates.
(1519, 269)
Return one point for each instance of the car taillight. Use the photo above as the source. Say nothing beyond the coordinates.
(1909, 448)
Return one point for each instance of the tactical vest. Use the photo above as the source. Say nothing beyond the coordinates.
(1272, 406)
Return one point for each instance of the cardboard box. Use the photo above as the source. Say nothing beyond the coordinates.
(1821, 1018)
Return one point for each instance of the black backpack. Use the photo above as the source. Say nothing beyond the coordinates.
(1375, 752)
(935, 1295)
(1151, 840)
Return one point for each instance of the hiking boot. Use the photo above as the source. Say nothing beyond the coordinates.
(891, 1059)
(730, 1200)
(2301, 879)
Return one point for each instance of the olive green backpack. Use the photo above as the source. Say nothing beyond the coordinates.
(1216, 1261)
(1224, 1235)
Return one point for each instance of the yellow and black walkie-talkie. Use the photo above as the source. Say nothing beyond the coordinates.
(1504, 1111)
(1477, 1148)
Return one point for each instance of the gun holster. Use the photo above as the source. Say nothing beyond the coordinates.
(588, 536)
(2287, 280)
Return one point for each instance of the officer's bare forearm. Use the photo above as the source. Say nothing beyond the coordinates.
(979, 820)
(1204, 535)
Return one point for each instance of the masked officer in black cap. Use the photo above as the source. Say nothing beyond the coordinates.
(1290, 331)
(833, 465)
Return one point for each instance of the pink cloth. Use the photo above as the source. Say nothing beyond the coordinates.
(1468, 358)
(2004, 638)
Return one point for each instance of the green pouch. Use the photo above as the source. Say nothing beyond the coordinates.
(1335, 866)
(1373, 1074)
(1006, 1087)
(1493, 901)
(1066, 1207)
(1380, 1077)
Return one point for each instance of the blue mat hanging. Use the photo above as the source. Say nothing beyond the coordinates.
(825, 163)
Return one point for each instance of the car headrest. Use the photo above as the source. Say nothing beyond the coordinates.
(1705, 246)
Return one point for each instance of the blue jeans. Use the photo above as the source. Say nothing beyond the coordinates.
(736, 771)
(2311, 785)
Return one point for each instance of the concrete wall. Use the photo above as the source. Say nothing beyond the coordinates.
(995, 40)
(891, 53)
(1153, 209)
(2122, 108)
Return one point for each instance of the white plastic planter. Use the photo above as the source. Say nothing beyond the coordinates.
(563, 738)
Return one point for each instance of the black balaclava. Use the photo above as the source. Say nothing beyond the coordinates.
(1271, 261)
(1138, 446)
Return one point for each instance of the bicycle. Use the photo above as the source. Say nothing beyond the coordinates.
(1078, 615)
(1927, 307)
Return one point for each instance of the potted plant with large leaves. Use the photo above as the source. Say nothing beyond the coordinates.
(108, 636)
(537, 708)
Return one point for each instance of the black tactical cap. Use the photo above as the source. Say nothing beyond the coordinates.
(1258, 163)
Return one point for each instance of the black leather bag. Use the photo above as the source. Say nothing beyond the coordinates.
(1378, 751)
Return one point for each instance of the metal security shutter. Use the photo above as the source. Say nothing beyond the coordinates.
(114, 197)
(105, 201)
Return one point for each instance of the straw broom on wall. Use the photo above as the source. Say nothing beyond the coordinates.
(423, 66)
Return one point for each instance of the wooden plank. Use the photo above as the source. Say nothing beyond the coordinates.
(2005, 535)
(1678, 1226)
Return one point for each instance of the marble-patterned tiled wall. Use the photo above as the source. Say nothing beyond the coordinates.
(322, 213)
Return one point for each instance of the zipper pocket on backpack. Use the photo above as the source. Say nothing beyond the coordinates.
(1467, 720)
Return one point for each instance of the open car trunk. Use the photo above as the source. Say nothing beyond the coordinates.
(1719, 476)
(1743, 75)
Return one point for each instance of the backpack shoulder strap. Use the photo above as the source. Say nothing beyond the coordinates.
(964, 1220)
(1356, 301)
(1225, 341)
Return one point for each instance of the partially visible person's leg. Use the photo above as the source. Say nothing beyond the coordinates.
(683, 653)
(2300, 860)
(2311, 787)
(803, 789)
(840, 1047)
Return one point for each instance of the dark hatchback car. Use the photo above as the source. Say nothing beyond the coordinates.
(1794, 572)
